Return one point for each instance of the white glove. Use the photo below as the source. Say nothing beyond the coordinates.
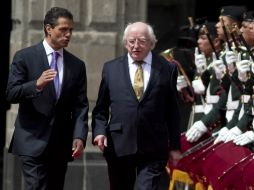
(232, 134)
(231, 58)
(222, 135)
(245, 138)
(196, 131)
(220, 68)
(252, 67)
(198, 86)
(181, 83)
(243, 67)
(200, 61)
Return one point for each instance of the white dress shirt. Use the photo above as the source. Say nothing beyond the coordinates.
(49, 50)
(146, 69)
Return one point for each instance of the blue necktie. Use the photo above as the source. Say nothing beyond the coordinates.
(53, 65)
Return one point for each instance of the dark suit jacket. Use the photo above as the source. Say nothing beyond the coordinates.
(42, 123)
(150, 126)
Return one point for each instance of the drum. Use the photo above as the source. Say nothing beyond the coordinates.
(188, 150)
(248, 174)
(195, 165)
(220, 161)
(180, 179)
(233, 177)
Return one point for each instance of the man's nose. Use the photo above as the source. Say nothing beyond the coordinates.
(136, 43)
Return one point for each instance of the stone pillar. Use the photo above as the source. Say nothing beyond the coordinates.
(96, 38)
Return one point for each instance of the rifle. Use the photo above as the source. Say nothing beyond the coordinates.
(225, 33)
(230, 31)
(205, 30)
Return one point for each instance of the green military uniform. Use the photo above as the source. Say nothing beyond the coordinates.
(245, 115)
(233, 105)
(200, 100)
(233, 102)
(235, 89)
(216, 99)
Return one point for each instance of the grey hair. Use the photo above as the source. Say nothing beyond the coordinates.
(151, 34)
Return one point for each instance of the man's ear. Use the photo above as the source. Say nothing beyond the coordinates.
(48, 28)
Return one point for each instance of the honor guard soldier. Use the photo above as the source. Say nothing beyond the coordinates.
(203, 58)
(230, 17)
(242, 84)
(225, 175)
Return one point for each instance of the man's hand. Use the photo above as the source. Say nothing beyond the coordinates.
(232, 134)
(198, 86)
(222, 135)
(101, 142)
(231, 59)
(174, 156)
(200, 61)
(219, 68)
(77, 148)
(181, 83)
(243, 67)
(45, 78)
(245, 138)
(252, 67)
(196, 131)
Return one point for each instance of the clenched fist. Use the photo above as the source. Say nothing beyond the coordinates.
(45, 78)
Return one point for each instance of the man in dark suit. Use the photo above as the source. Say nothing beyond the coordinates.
(136, 119)
(51, 126)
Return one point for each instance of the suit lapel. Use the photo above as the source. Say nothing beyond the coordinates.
(44, 103)
(45, 66)
(42, 56)
(154, 76)
(66, 71)
(127, 79)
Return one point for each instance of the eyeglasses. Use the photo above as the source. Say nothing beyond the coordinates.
(139, 41)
